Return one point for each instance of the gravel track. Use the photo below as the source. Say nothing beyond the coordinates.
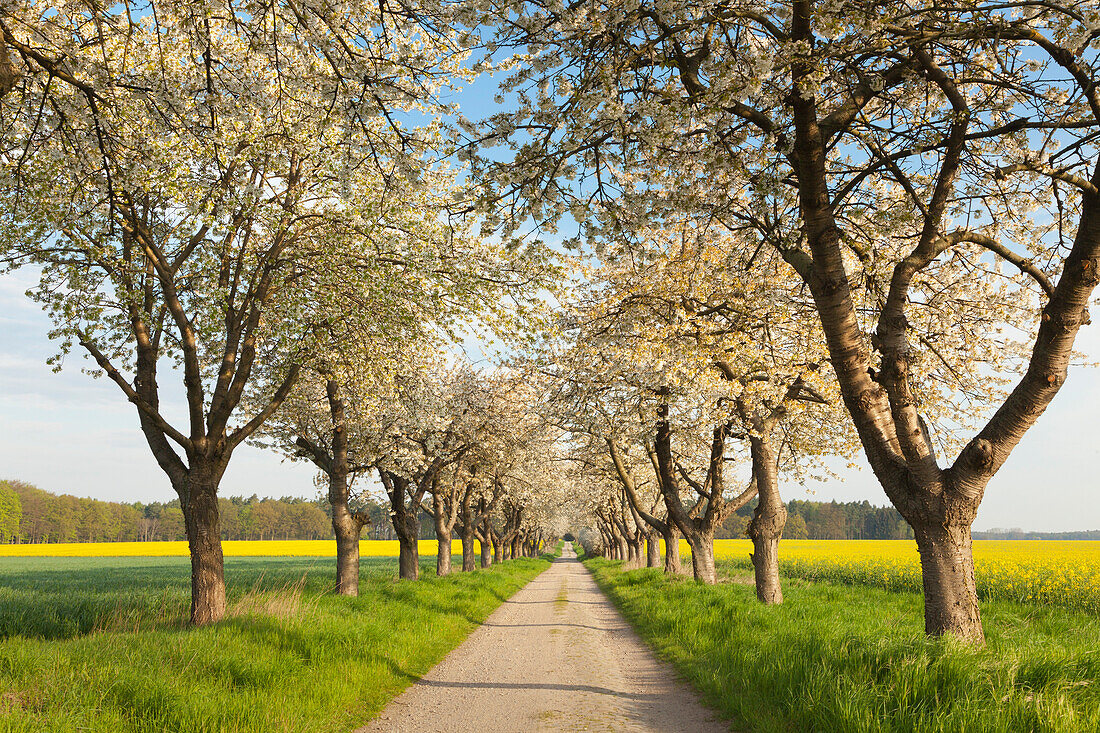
(557, 656)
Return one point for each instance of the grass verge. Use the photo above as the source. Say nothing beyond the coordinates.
(844, 658)
(102, 644)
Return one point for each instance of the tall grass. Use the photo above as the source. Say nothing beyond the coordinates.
(852, 658)
(102, 644)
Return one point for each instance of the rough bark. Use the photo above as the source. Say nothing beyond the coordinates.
(348, 531)
(653, 550)
(472, 519)
(665, 528)
(702, 557)
(469, 554)
(510, 534)
(406, 525)
(9, 75)
(769, 518)
(467, 532)
(200, 514)
(671, 536)
(443, 554)
(947, 574)
(486, 552)
(346, 525)
(442, 520)
(408, 559)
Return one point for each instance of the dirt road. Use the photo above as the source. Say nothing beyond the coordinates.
(557, 656)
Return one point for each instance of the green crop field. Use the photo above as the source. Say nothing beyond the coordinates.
(102, 644)
(838, 657)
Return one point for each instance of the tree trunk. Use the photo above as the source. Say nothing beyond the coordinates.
(200, 514)
(653, 550)
(767, 523)
(443, 554)
(702, 558)
(467, 532)
(408, 558)
(486, 553)
(406, 523)
(347, 531)
(468, 553)
(947, 569)
(765, 561)
(498, 549)
(672, 548)
(345, 526)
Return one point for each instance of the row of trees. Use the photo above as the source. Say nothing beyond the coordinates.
(29, 514)
(812, 228)
(819, 227)
(250, 200)
(465, 447)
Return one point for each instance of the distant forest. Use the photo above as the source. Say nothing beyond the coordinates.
(817, 520)
(29, 514)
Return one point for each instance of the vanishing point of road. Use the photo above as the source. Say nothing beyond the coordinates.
(557, 656)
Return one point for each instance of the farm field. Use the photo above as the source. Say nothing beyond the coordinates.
(103, 644)
(838, 657)
(1062, 573)
(1046, 572)
(230, 548)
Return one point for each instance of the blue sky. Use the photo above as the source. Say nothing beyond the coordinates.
(69, 433)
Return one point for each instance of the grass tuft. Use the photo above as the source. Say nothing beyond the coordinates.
(282, 602)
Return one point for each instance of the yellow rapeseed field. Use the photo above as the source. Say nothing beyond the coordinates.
(231, 548)
(1063, 573)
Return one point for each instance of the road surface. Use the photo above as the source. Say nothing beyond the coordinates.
(557, 656)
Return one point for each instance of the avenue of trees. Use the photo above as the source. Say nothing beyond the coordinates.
(925, 175)
(30, 514)
(797, 231)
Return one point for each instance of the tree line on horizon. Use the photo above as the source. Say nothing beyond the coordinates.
(29, 514)
(825, 520)
(45, 517)
(32, 515)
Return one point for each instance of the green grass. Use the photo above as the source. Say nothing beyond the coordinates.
(102, 644)
(845, 658)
